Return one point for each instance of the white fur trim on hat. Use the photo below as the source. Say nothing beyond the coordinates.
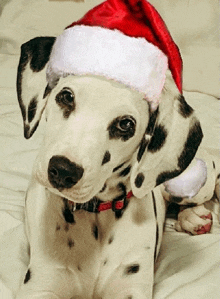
(135, 62)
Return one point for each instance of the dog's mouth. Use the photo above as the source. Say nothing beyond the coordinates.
(77, 197)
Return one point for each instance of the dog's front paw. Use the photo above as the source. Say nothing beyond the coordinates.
(196, 220)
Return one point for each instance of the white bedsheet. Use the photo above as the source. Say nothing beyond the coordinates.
(188, 267)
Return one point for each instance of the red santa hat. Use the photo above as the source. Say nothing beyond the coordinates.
(123, 40)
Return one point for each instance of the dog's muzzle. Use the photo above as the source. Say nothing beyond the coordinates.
(62, 173)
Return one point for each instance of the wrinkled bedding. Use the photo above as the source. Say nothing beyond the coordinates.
(188, 267)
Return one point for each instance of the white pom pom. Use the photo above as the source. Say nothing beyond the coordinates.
(188, 183)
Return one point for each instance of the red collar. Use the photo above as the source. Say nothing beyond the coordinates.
(100, 206)
(117, 205)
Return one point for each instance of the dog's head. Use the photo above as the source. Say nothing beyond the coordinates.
(94, 125)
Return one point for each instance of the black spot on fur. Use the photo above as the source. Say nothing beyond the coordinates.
(152, 121)
(175, 199)
(95, 232)
(24, 58)
(218, 177)
(32, 108)
(158, 139)
(27, 276)
(58, 227)
(39, 50)
(27, 132)
(122, 128)
(47, 91)
(191, 145)
(103, 188)
(110, 240)
(105, 262)
(147, 247)
(125, 171)
(139, 180)
(118, 167)
(79, 268)
(184, 109)
(167, 175)
(132, 269)
(129, 297)
(107, 157)
(142, 148)
(213, 163)
(68, 216)
(121, 187)
(70, 243)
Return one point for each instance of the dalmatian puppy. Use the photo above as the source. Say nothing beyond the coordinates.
(95, 207)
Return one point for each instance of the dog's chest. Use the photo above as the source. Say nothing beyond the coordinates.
(94, 248)
(78, 237)
(71, 236)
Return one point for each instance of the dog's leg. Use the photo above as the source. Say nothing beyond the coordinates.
(50, 274)
(200, 219)
(196, 220)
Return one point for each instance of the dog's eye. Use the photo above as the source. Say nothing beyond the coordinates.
(65, 97)
(126, 123)
(122, 128)
(66, 100)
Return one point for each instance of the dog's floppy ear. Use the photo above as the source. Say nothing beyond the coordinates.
(170, 143)
(32, 88)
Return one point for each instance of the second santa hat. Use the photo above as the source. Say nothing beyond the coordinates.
(126, 41)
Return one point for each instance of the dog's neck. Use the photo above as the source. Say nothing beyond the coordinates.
(114, 195)
(117, 185)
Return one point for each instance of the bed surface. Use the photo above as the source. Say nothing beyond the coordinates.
(188, 267)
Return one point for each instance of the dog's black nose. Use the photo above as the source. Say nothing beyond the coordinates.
(62, 173)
